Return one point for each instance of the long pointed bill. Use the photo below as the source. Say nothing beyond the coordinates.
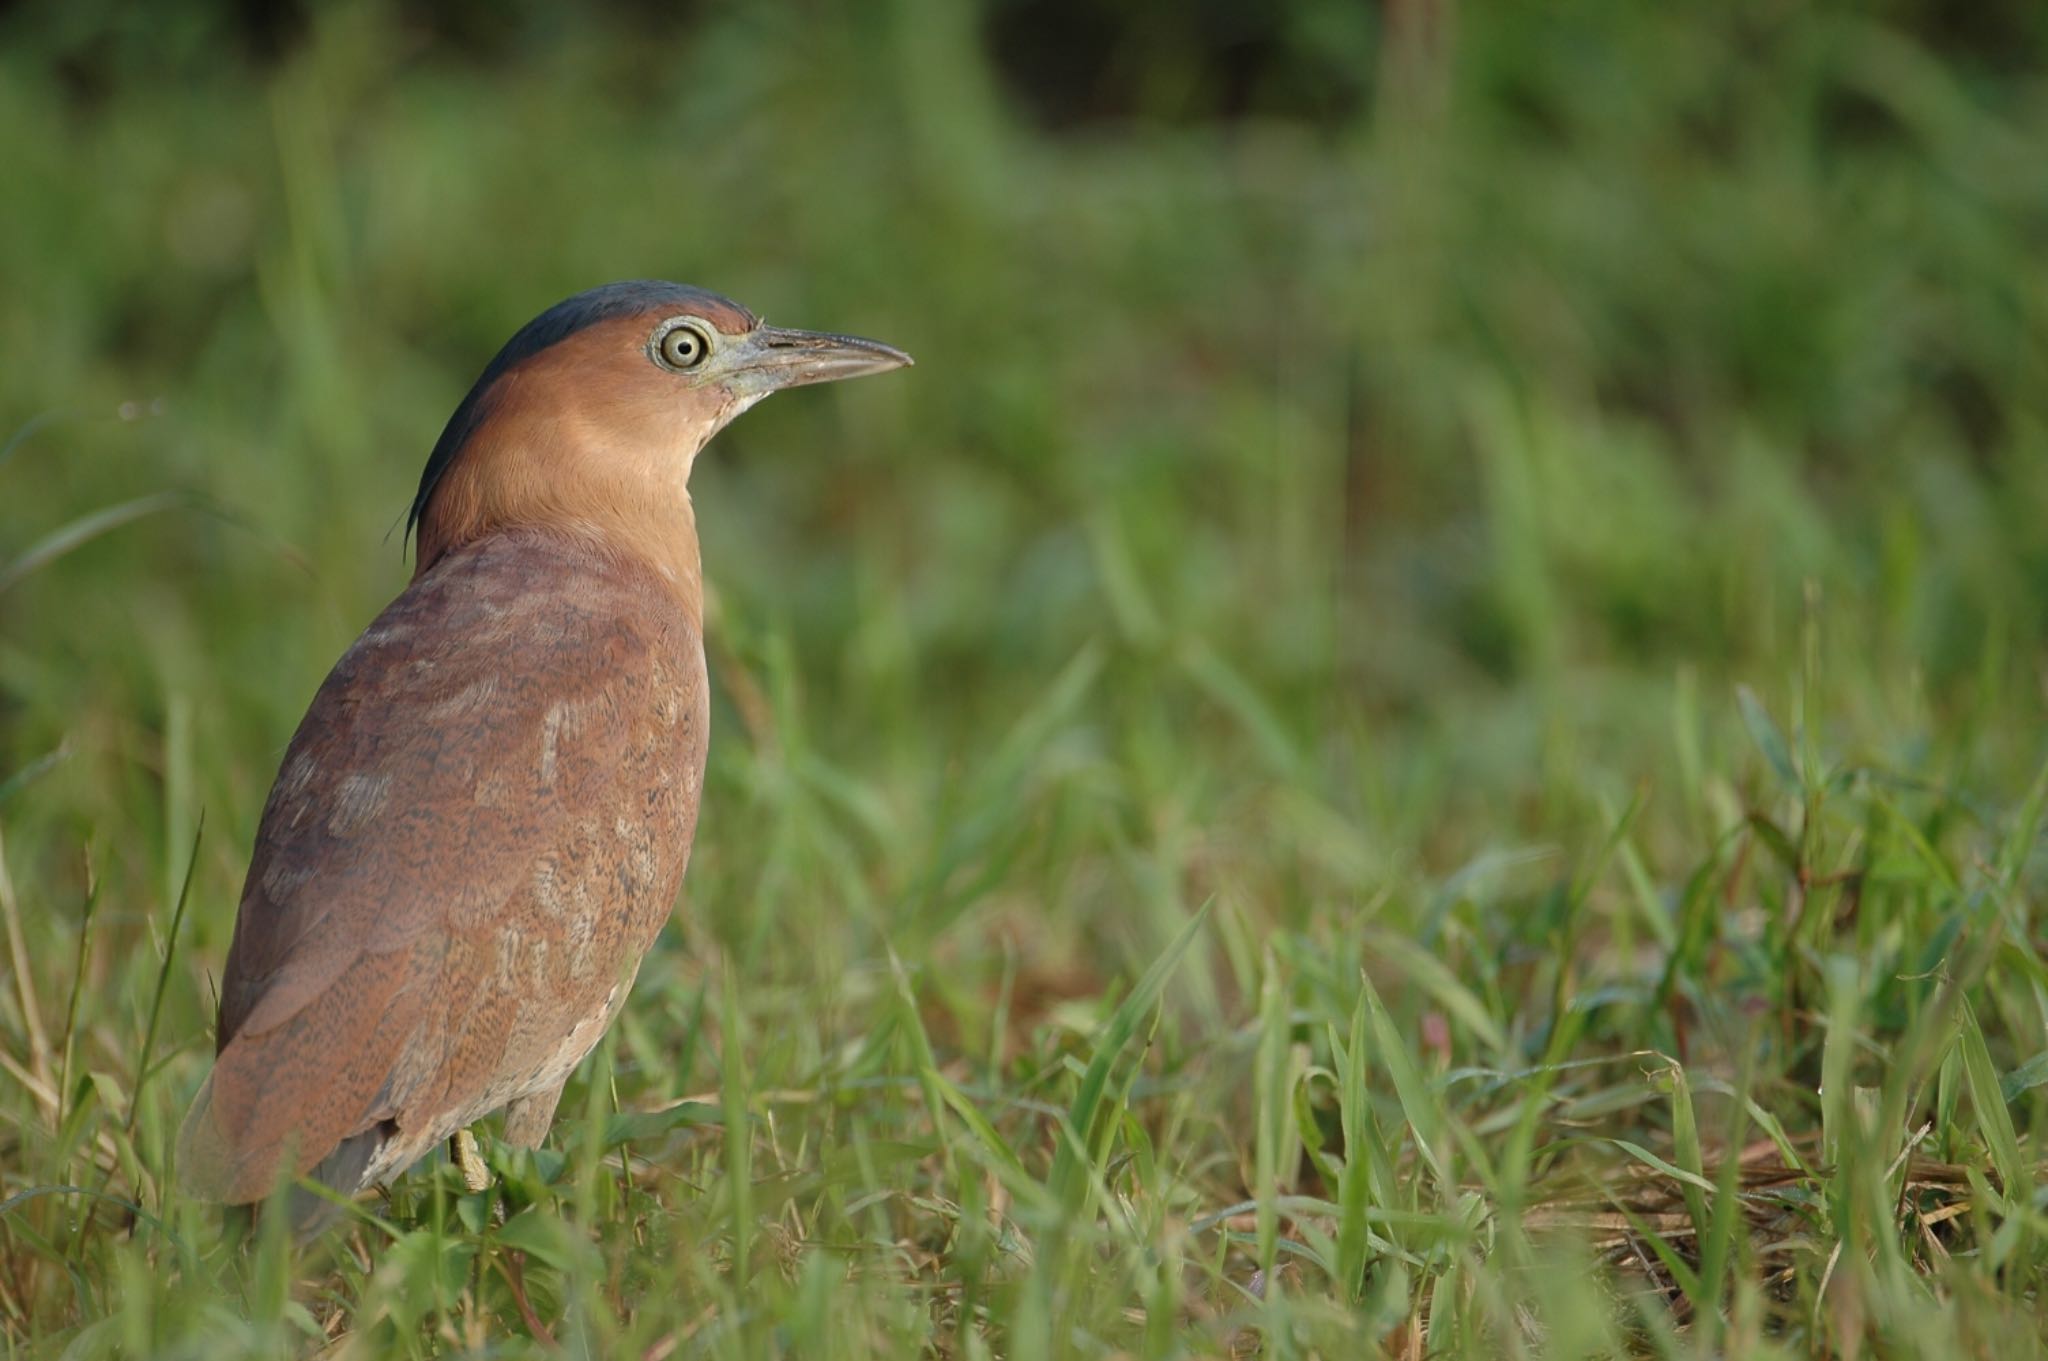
(775, 358)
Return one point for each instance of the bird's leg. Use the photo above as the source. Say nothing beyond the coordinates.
(528, 1118)
(526, 1124)
(462, 1148)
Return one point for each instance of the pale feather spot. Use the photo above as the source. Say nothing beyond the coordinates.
(547, 892)
(550, 736)
(580, 937)
(297, 775)
(357, 802)
(563, 719)
(290, 785)
(640, 859)
(468, 700)
(506, 974)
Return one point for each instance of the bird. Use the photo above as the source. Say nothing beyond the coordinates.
(485, 816)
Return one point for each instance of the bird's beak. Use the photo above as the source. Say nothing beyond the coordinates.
(774, 357)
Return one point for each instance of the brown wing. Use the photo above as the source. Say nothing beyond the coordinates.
(478, 828)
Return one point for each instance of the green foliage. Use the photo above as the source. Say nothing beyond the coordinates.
(1419, 731)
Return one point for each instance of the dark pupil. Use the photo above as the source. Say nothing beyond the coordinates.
(683, 346)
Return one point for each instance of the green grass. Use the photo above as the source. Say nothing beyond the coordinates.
(1419, 735)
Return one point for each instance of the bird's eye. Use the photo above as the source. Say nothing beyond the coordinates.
(683, 346)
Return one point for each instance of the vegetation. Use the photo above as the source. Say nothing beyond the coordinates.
(1420, 733)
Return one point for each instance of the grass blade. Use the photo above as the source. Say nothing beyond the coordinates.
(82, 531)
(1069, 1178)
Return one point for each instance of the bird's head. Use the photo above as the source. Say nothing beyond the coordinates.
(589, 419)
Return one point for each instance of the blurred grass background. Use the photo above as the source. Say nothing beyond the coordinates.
(1356, 455)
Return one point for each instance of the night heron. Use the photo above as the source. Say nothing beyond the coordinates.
(485, 815)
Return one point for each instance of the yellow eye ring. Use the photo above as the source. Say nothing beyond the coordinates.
(681, 345)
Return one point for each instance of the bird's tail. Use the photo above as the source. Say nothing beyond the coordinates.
(212, 1167)
(206, 1168)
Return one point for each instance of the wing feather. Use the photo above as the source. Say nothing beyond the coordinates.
(475, 832)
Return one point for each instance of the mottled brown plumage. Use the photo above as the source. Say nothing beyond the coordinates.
(486, 814)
